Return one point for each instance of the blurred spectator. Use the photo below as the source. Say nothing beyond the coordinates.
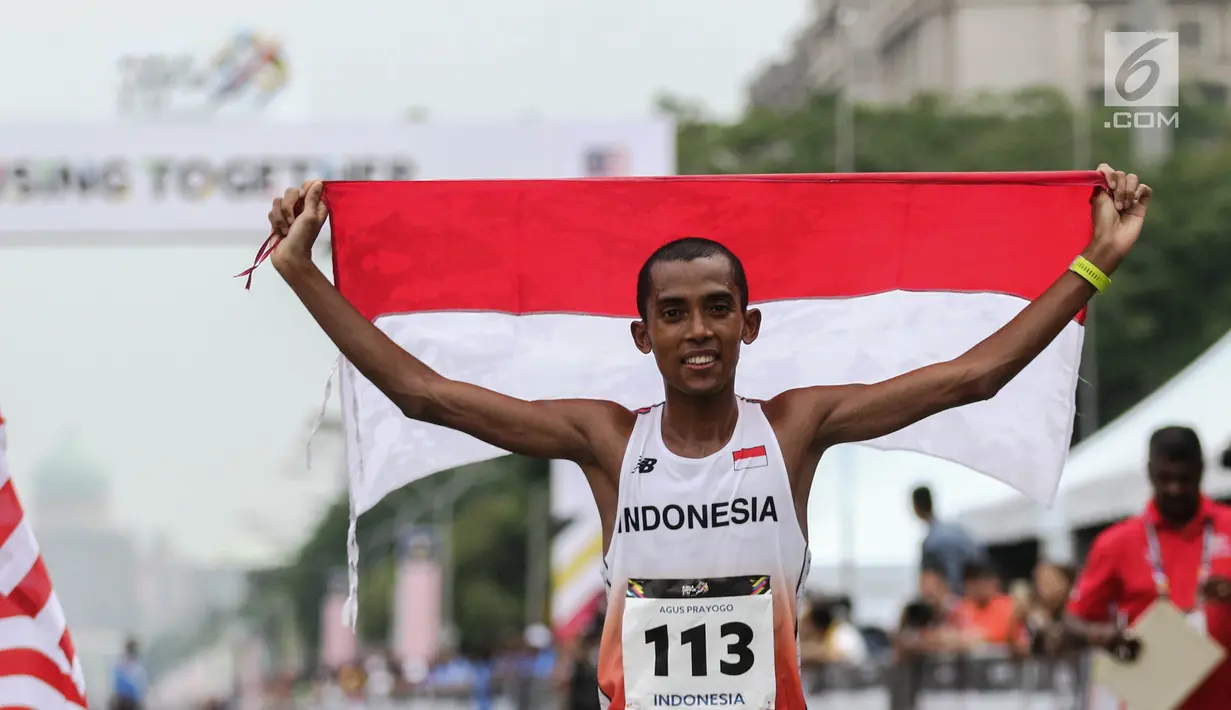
(986, 616)
(481, 690)
(947, 543)
(935, 592)
(526, 663)
(834, 639)
(1044, 614)
(926, 624)
(380, 678)
(829, 635)
(578, 664)
(450, 676)
(352, 680)
(129, 680)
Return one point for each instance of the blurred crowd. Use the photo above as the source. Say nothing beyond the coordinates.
(979, 617)
(961, 606)
(524, 673)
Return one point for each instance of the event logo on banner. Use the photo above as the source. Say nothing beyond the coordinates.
(221, 177)
(248, 71)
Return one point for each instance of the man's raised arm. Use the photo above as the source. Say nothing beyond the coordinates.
(849, 413)
(575, 430)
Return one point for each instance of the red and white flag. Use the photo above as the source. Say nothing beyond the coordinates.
(754, 457)
(527, 288)
(38, 664)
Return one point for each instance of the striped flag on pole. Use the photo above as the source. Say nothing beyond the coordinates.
(38, 664)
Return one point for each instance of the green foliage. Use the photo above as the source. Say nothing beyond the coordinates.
(1170, 301)
(489, 548)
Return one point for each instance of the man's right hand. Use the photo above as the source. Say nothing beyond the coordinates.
(1123, 644)
(296, 220)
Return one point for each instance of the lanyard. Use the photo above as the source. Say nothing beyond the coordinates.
(1155, 554)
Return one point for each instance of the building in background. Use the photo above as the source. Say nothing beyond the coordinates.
(108, 584)
(175, 593)
(94, 562)
(891, 50)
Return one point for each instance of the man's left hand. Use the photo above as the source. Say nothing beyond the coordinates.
(1118, 214)
(1217, 589)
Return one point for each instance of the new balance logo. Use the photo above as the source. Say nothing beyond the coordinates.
(645, 465)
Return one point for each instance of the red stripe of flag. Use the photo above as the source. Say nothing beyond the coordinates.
(10, 511)
(749, 453)
(26, 662)
(575, 246)
(31, 594)
(67, 646)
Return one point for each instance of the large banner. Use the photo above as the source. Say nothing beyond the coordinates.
(217, 177)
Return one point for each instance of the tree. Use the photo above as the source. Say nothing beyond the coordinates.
(489, 550)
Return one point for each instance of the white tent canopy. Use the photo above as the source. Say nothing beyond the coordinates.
(1104, 478)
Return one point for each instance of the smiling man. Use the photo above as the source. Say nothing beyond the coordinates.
(702, 497)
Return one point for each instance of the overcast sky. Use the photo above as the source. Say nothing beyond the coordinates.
(194, 394)
(370, 59)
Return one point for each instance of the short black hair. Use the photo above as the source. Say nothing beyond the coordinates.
(922, 499)
(689, 249)
(977, 569)
(933, 564)
(1179, 444)
(822, 615)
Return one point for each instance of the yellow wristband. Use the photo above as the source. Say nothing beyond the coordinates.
(1083, 268)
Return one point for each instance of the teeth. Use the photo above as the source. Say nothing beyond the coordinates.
(700, 360)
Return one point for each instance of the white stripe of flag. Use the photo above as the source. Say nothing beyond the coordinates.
(754, 457)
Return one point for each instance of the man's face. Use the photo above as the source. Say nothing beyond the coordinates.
(1177, 488)
(694, 326)
(981, 590)
(1050, 583)
(933, 587)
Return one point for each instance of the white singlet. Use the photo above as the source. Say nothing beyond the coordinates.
(705, 573)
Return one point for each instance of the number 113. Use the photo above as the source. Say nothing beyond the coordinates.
(694, 638)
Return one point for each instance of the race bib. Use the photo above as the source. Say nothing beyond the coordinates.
(699, 642)
(1196, 619)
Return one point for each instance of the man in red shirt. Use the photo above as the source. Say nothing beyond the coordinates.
(1179, 548)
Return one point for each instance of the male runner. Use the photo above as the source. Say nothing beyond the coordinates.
(703, 498)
